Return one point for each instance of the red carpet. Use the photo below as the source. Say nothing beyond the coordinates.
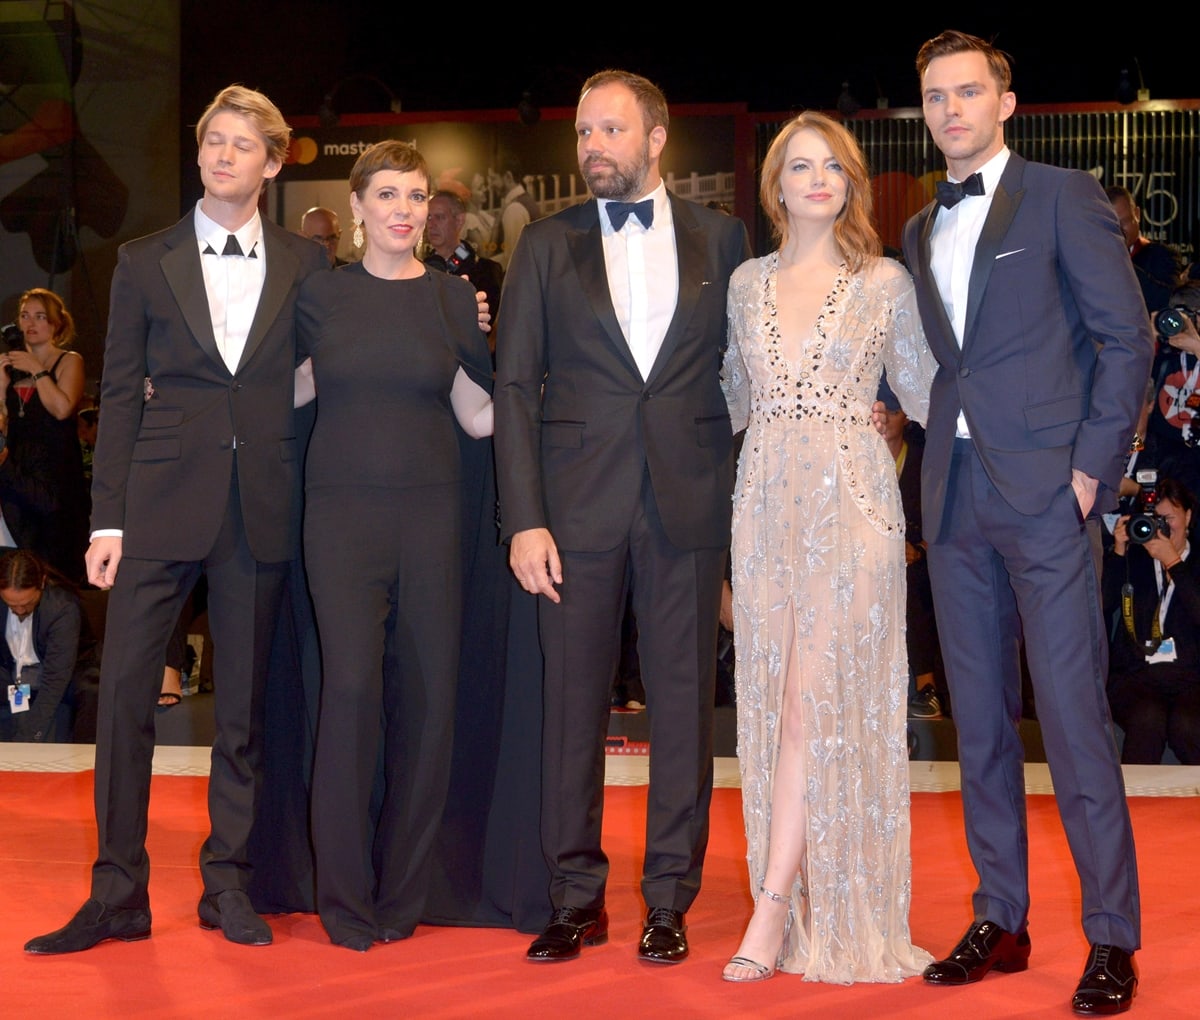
(48, 840)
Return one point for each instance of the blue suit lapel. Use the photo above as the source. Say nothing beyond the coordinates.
(1005, 203)
(940, 332)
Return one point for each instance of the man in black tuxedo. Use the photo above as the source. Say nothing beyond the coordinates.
(195, 469)
(1030, 306)
(615, 467)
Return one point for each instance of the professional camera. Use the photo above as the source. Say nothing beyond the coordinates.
(13, 338)
(1144, 523)
(1170, 321)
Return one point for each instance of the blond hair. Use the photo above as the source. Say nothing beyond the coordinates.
(258, 110)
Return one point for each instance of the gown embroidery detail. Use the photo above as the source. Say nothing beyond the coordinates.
(819, 591)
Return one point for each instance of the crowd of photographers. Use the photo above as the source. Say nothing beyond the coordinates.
(1150, 581)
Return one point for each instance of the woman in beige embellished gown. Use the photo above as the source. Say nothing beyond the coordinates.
(818, 573)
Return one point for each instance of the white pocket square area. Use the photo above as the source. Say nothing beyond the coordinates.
(1005, 254)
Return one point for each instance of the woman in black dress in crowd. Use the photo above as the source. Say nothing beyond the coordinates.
(41, 386)
(397, 358)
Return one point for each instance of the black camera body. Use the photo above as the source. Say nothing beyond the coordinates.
(458, 258)
(1145, 523)
(14, 339)
(1170, 321)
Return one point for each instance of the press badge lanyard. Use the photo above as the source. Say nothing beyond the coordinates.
(1160, 610)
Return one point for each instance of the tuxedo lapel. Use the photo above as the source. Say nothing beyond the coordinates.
(282, 269)
(181, 268)
(587, 252)
(1005, 203)
(690, 254)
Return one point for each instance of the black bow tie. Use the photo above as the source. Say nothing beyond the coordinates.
(618, 212)
(231, 248)
(950, 194)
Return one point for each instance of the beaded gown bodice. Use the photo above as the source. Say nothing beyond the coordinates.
(818, 577)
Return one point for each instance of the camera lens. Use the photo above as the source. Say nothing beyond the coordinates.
(1169, 321)
(1141, 528)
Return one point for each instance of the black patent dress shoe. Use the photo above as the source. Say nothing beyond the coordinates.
(232, 913)
(986, 946)
(664, 938)
(569, 930)
(93, 923)
(1108, 984)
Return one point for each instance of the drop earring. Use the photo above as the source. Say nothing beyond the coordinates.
(358, 234)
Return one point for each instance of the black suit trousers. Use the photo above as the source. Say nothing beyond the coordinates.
(676, 600)
(144, 606)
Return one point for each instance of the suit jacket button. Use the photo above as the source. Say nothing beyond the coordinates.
(963, 371)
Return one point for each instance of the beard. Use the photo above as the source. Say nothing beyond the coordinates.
(622, 182)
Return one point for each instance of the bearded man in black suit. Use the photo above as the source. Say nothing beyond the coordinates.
(615, 465)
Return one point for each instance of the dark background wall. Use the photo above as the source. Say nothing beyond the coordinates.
(773, 58)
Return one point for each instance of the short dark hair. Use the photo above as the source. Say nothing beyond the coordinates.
(460, 207)
(951, 42)
(1178, 493)
(1115, 191)
(649, 96)
(389, 154)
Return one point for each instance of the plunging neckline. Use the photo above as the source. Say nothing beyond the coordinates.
(812, 345)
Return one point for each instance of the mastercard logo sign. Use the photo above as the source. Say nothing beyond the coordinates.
(302, 150)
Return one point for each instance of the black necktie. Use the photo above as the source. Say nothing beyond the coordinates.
(618, 212)
(950, 194)
(231, 248)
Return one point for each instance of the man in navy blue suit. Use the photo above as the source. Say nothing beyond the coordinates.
(1032, 310)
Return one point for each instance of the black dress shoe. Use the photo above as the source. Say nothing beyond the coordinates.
(231, 912)
(569, 930)
(1108, 984)
(986, 946)
(93, 923)
(664, 938)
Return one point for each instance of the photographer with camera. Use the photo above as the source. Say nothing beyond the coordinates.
(1173, 429)
(1152, 584)
(449, 252)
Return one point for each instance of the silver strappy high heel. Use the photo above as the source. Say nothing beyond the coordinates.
(761, 970)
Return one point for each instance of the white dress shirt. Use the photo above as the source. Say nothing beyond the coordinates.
(952, 250)
(233, 283)
(19, 635)
(643, 277)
